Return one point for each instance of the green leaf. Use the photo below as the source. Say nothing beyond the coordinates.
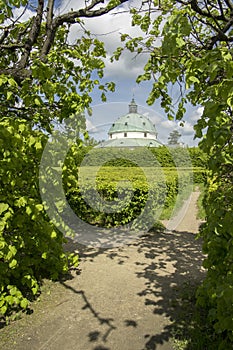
(103, 97)
(13, 290)
(13, 264)
(21, 202)
(39, 207)
(24, 303)
(180, 42)
(35, 290)
(44, 255)
(53, 234)
(9, 95)
(38, 145)
(3, 207)
(3, 309)
(38, 101)
(12, 82)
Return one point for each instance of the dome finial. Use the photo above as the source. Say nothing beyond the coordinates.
(133, 108)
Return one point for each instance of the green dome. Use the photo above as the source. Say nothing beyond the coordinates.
(132, 122)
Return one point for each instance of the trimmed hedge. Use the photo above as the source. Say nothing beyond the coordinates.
(162, 193)
(162, 156)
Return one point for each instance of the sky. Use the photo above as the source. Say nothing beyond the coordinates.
(124, 72)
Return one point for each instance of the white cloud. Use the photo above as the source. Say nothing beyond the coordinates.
(196, 114)
(90, 126)
(169, 124)
(129, 65)
(20, 15)
(187, 129)
(165, 127)
(108, 28)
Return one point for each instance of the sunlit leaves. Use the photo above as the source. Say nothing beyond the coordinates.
(26, 233)
(58, 86)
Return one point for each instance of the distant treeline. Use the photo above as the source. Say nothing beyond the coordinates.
(161, 156)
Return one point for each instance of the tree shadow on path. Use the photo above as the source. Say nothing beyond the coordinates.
(133, 297)
(172, 273)
(169, 265)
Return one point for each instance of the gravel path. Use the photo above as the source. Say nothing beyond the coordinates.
(186, 220)
(118, 299)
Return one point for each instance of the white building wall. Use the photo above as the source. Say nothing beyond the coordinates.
(132, 135)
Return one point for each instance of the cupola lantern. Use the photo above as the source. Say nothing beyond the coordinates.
(133, 108)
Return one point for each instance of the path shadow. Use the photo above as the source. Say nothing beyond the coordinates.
(108, 322)
(170, 265)
(165, 269)
(175, 291)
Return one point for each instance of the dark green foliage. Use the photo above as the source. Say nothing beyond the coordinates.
(30, 246)
(217, 290)
(101, 218)
(199, 157)
(120, 157)
(199, 176)
(162, 156)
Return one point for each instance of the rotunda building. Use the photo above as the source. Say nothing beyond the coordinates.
(132, 130)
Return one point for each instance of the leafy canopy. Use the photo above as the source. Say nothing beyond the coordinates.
(43, 74)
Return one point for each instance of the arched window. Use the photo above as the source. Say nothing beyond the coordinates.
(125, 134)
(145, 134)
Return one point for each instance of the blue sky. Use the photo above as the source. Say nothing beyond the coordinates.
(124, 73)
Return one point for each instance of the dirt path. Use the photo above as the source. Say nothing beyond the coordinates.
(118, 299)
(186, 220)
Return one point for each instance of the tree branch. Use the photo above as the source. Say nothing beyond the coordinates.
(50, 32)
(49, 14)
(196, 8)
(221, 8)
(12, 46)
(70, 18)
(33, 35)
(87, 12)
(229, 4)
(221, 36)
